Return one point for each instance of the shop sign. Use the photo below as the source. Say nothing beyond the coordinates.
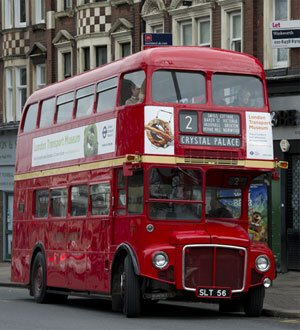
(7, 178)
(8, 149)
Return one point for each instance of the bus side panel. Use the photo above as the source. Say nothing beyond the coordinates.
(56, 253)
(97, 234)
(130, 136)
(21, 245)
(76, 254)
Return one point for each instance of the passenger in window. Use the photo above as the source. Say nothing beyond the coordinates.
(218, 96)
(243, 99)
(135, 93)
(218, 210)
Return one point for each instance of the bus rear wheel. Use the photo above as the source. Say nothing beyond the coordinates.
(132, 292)
(254, 301)
(38, 279)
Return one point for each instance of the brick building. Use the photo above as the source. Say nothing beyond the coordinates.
(44, 41)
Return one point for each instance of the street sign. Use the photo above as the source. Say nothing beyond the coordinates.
(285, 34)
(157, 39)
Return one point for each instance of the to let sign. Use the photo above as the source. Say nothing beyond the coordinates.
(157, 39)
(285, 34)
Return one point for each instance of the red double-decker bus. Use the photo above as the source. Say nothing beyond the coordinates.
(132, 182)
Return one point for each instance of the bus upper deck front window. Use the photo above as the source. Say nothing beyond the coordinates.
(237, 90)
(178, 87)
(175, 194)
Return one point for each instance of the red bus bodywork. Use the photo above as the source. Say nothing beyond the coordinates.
(89, 253)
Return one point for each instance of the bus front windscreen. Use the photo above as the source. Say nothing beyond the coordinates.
(223, 202)
(235, 90)
(170, 86)
(175, 194)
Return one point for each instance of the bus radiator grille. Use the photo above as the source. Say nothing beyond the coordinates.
(213, 266)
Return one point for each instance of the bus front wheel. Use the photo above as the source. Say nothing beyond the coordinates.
(254, 301)
(38, 279)
(132, 291)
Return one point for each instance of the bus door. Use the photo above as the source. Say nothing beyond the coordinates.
(119, 208)
(128, 206)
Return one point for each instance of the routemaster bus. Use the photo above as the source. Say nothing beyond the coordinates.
(132, 179)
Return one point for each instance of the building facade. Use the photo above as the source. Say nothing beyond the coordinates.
(44, 41)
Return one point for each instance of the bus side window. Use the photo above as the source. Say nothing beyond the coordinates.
(47, 112)
(41, 203)
(135, 187)
(65, 107)
(31, 117)
(100, 198)
(132, 88)
(59, 202)
(84, 101)
(107, 94)
(79, 200)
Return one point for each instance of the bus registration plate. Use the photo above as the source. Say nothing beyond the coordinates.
(205, 292)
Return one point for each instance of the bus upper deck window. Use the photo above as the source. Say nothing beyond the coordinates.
(178, 87)
(47, 112)
(107, 94)
(31, 116)
(237, 90)
(85, 101)
(132, 88)
(64, 107)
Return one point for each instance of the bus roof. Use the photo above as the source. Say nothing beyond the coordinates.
(176, 57)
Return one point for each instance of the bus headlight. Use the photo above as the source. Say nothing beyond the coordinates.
(160, 260)
(262, 263)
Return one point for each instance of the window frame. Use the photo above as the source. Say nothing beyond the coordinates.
(277, 63)
(182, 24)
(17, 11)
(51, 203)
(53, 113)
(27, 128)
(97, 47)
(227, 8)
(86, 95)
(39, 11)
(90, 203)
(234, 40)
(60, 103)
(35, 204)
(8, 20)
(64, 59)
(99, 91)
(199, 21)
(19, 89)
(39, 68)
(9, 94)
(86, 204)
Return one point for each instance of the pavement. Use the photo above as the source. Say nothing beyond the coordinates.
(282, 299)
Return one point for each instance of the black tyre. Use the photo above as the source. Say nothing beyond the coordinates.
(254, 301)
(38, 279)
(117, 296)
(132, 291)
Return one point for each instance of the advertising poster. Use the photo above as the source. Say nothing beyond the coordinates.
(259, 136)
(159, 130)
(258, 212)
(94, 139)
